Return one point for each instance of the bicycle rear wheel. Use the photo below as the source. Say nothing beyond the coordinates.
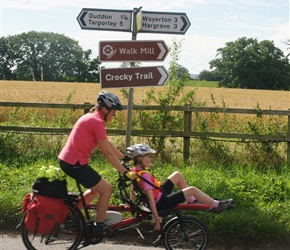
(190, 234)
(67, 236)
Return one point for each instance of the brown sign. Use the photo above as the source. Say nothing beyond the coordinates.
(132, 51)
(133, 77)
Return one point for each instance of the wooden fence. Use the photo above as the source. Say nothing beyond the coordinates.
(186, 134)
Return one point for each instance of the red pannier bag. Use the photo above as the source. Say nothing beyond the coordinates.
(43, 214)
(26, 200)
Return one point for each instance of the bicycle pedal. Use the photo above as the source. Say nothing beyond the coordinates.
(85, 243)
(95, 241)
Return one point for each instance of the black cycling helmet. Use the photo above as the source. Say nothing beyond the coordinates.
(109, 100)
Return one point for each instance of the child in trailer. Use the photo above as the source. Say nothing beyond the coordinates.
(158, 200)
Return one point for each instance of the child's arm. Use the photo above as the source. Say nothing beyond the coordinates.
(153, 209)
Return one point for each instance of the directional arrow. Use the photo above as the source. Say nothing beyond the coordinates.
(164, 76)
(133, 77)
(82, 19)
(132, 51)
(103, 19)
(164, 22)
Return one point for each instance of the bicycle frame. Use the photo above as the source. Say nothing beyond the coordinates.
(142, 215)
(179, 231)
(138, 214)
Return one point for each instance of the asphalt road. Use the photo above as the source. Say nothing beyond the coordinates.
(14, 242)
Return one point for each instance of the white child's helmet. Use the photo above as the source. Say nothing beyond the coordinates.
(139, 150)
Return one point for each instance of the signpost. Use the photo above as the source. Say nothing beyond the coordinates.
(133, 77)
(103, 19)
(132, 51)
(164, 22)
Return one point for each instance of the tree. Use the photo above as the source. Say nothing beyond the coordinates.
(209, 75)
(182, 72)
(94, 70)
(245, 63)
(128, 64)
(46, 56)
(8, 58)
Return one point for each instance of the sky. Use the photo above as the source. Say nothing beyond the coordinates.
(213, 24)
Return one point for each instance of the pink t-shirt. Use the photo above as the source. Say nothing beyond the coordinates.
(84, 138)
(146, 186)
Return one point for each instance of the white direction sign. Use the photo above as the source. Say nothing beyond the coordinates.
(164, 22)
(103, 19)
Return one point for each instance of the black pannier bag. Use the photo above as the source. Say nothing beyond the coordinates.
(54, 189)
(51, 182)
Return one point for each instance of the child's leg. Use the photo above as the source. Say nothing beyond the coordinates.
(171, 200)
(200, 196)
(178, 180)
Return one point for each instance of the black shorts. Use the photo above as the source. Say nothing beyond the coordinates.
(83, 174)
(168, 200)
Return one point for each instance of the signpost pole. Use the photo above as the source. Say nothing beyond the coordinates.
(131, 90)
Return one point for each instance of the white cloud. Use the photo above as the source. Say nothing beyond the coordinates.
(213, 23)
(230, 17)
(129, 4)
(198, 51)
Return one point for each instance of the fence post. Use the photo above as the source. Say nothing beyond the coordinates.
(288, 143)
(86, 110)
(186, 139)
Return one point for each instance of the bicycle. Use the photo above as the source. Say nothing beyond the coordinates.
(178, 232)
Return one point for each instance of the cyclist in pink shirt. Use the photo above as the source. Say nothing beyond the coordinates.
(88, 133)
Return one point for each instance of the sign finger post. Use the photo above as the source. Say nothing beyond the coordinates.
(132, 51)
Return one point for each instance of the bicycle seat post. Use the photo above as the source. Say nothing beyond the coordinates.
(83, 201)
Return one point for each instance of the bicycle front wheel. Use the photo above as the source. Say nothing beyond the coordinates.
(189, 233)
(67, 236)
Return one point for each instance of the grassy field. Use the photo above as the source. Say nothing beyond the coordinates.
(57, 92)
(63, 92)
(203, 83)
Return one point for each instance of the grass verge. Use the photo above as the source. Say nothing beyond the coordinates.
(261, 212)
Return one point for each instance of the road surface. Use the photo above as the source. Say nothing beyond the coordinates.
(14, 242)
